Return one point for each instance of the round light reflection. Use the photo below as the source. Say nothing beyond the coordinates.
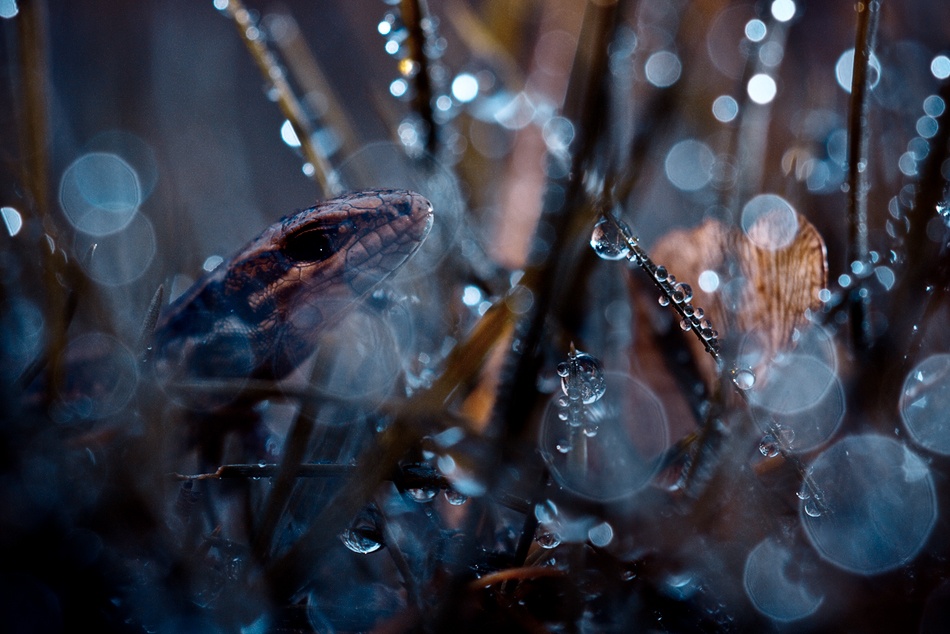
(100, 193)
(769, 221)
(725, 108)
(773, 591)
(844, 69)
(879, 504)
(761, 88)
(689, 165)
(625, 451)
(663, 69)
(925, 403)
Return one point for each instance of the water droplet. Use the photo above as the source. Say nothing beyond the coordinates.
(686, 290)
(769, 446)
(564, 445)
(454, 497)
(359, 541)
(585, 378)
(661, 273)
(686, 324)
(422, 494)
(743, 378)
(811, 508)
(609, 239)
(548, 539)
(364, 534)
(803, 493)
(663, 300)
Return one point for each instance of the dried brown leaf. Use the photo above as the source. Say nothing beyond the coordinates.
(769, 291)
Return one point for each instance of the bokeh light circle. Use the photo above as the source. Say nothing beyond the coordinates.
(101, 378)
(118, 258)
(844, 70)
(769, 221)
(772, 587)
(357, 360)
(761, 88)
(689, 165)
(925, 403)
(879, 504)
(725, 108)
(100, 193)
(663, 69)
(625, 452)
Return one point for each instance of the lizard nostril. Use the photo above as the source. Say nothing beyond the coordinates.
(403, 207)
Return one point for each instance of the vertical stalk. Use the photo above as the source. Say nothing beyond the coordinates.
(31, 35)
(859, 133)
(414, 14)
(289, 105)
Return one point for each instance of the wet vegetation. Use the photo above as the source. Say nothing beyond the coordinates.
(672, 357)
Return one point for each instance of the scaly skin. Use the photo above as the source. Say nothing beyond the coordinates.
(259, 314)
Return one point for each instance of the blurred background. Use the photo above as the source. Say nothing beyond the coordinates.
(140, 146)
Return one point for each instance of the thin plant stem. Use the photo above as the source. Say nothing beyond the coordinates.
(415, 14)
(270, 470)
(251, 35)
(859, 135)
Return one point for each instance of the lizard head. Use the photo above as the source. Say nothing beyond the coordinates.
(261, 312)
(355, 241)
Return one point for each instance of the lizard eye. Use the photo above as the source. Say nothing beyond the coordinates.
(311, 245)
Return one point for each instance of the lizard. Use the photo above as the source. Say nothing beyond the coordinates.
(259, 314)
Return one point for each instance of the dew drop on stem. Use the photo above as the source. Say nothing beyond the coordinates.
(743, 378)
(609, 239)
(582, 377)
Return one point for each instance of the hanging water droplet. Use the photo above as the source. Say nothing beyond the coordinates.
(663, 300)
(685, 324)
(590, 430)
(454, 497)
(699, 313)
(364, 534)
(422, 494)
(564, 445)
(609, 239)
(548, 539)
(768, 446)
(661, 273)
(585, 378)
(743, 378)
(688, 310)
(812, 509)
(360, 541)
(686, 290)
(803, 493)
